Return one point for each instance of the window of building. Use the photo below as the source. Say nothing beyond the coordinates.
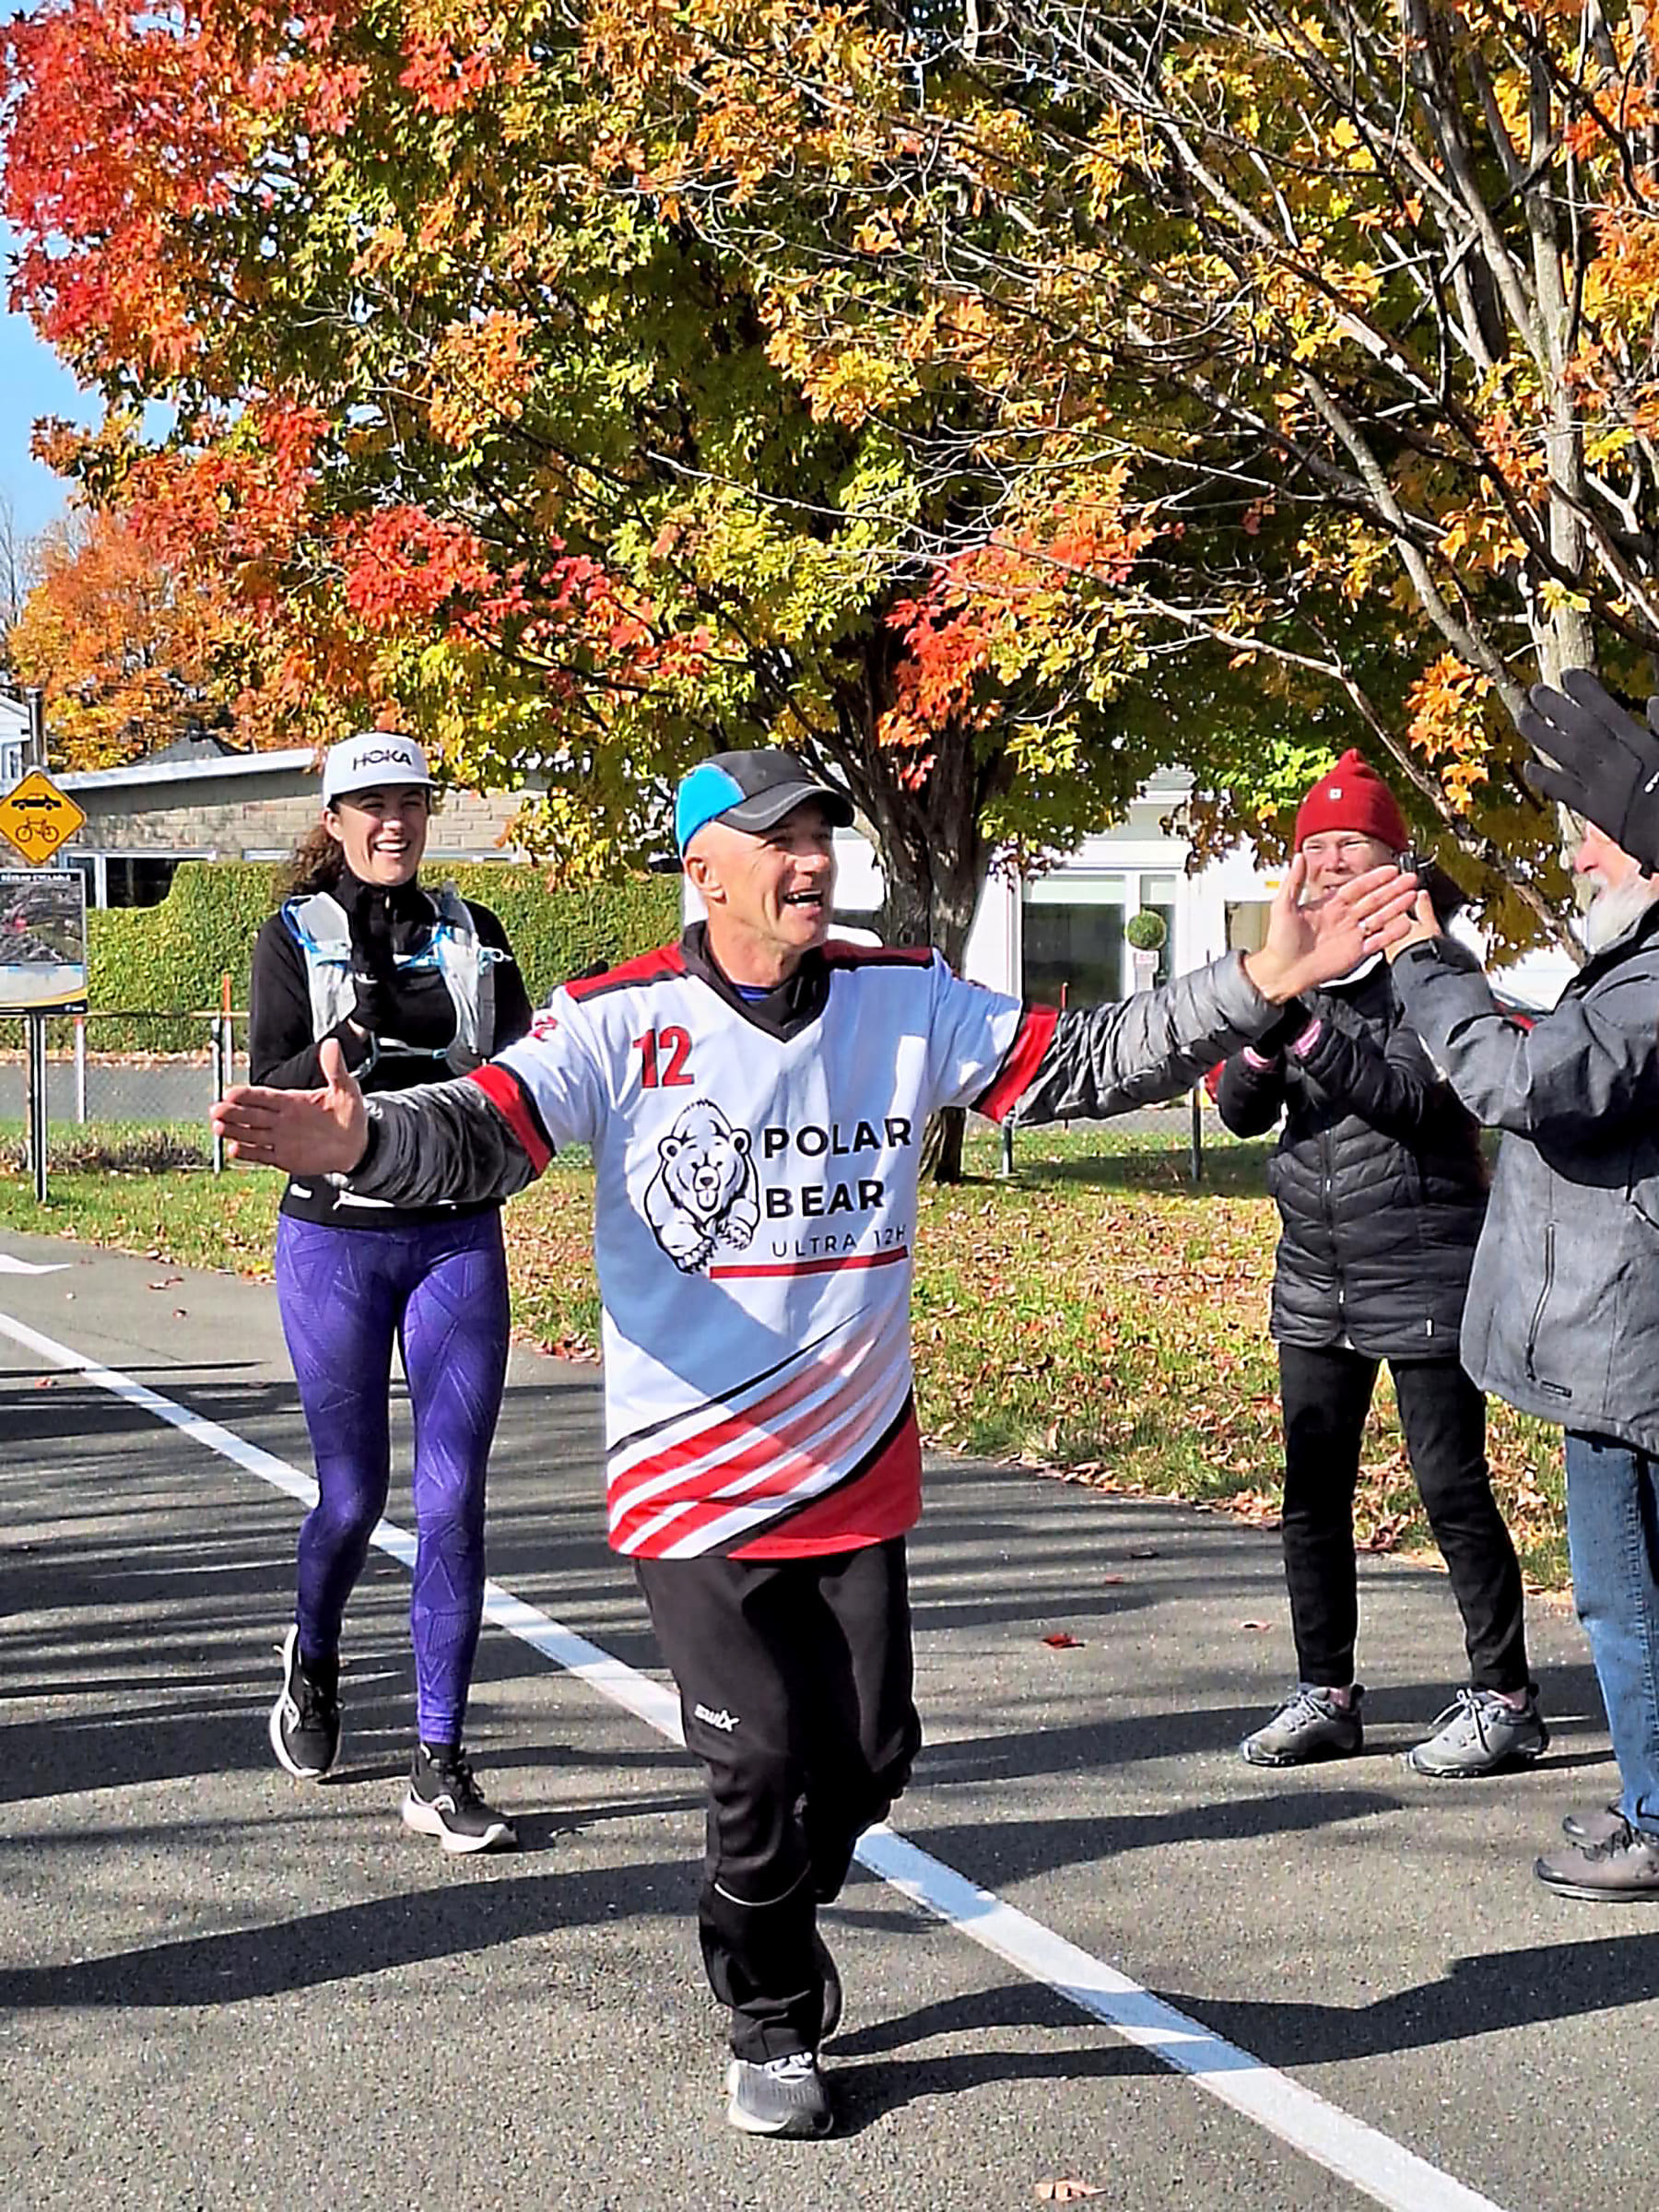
(1157, 897)
(1076, 953)
(128, 878)
(139, 878)
(1074, 939)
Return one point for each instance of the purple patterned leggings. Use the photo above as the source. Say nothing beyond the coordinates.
(438, 1290)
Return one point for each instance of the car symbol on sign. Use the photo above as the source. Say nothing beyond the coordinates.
(37, 799)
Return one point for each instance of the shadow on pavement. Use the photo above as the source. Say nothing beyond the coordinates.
(1013, 1851)
(351, 1941)
(1479, 1996)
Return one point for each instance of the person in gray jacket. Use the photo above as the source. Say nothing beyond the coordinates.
(1562, 1316)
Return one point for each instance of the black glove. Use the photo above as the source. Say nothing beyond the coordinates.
(1597, 760)
(1285, 1028)
(412, 1004)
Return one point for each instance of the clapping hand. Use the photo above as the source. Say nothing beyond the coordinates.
(1311, 945)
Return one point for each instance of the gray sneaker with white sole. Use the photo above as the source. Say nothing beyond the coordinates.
(1311, 1723)
(779, 2096)
(1480, 1733)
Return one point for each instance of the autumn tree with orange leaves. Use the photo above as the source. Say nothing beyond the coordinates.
(994, 401)
(127, 660)
(482, 432)
(1357, 303)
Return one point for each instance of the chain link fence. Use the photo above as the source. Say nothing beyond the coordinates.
(129, 1088)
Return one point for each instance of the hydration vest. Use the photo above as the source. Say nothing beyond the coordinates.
(318, 924)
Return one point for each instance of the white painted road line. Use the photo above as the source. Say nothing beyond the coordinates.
(1371, 2163)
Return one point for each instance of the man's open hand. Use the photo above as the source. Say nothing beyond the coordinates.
(1311, 945)
(308, 1132)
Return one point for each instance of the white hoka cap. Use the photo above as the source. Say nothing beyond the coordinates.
(370, 758)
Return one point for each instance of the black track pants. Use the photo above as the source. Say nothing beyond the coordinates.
(796, 1686)
(1325, 1394)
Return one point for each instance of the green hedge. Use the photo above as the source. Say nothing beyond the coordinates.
(169, 958)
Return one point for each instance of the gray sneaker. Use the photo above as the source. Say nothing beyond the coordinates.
(1310, 1724)
(779, 2096)
(1480, 1733)
(1625, 1867)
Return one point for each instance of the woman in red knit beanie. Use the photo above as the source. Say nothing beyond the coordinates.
(1381, 1189)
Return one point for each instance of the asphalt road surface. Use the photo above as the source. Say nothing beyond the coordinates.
(1110, 1951)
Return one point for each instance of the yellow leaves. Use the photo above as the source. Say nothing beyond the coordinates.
(1450, 702)
(847, 383)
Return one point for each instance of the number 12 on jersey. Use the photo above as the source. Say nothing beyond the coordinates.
(662, 1056)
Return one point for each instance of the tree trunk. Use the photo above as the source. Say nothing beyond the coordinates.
(925, 820)
(934, 907)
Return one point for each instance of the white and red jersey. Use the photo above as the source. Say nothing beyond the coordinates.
(755, 1219)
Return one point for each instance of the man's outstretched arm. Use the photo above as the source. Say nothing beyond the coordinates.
(472, 1139)
(1152, 1046)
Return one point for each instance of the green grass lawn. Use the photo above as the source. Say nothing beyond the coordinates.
(1097, 1316)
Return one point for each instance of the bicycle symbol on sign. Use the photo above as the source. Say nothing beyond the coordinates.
(36, 818)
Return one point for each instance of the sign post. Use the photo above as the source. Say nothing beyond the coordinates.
(42, 972)
(37, 1103)
(43, 924)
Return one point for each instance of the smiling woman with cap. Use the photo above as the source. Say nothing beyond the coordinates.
(1382, 1191)
(411, 985)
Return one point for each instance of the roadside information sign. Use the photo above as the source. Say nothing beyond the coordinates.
(42, 940)
(37, 817)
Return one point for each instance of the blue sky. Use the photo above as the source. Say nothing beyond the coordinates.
(32, 382)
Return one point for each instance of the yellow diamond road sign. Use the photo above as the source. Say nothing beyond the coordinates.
(37, 817)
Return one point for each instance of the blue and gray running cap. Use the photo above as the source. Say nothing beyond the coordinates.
(753, 790)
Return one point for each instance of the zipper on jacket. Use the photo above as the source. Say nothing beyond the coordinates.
(1558, 1390)
(1326, 1175)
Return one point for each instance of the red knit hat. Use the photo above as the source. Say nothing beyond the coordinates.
(1353, 796)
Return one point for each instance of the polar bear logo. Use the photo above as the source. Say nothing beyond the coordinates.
(705, 1190)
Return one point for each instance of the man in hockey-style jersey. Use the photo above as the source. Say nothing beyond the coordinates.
(755, 1097)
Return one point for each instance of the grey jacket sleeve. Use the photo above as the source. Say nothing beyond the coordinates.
(1106, 1060)
(447, 1143)
(1570, 1079)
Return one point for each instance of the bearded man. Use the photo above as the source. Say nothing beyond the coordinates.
(1562, 1316)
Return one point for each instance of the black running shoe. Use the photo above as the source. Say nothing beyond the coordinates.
(445, 1801)
(305, 1719)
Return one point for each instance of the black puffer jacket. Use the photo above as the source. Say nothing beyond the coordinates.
(1378, 1176)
